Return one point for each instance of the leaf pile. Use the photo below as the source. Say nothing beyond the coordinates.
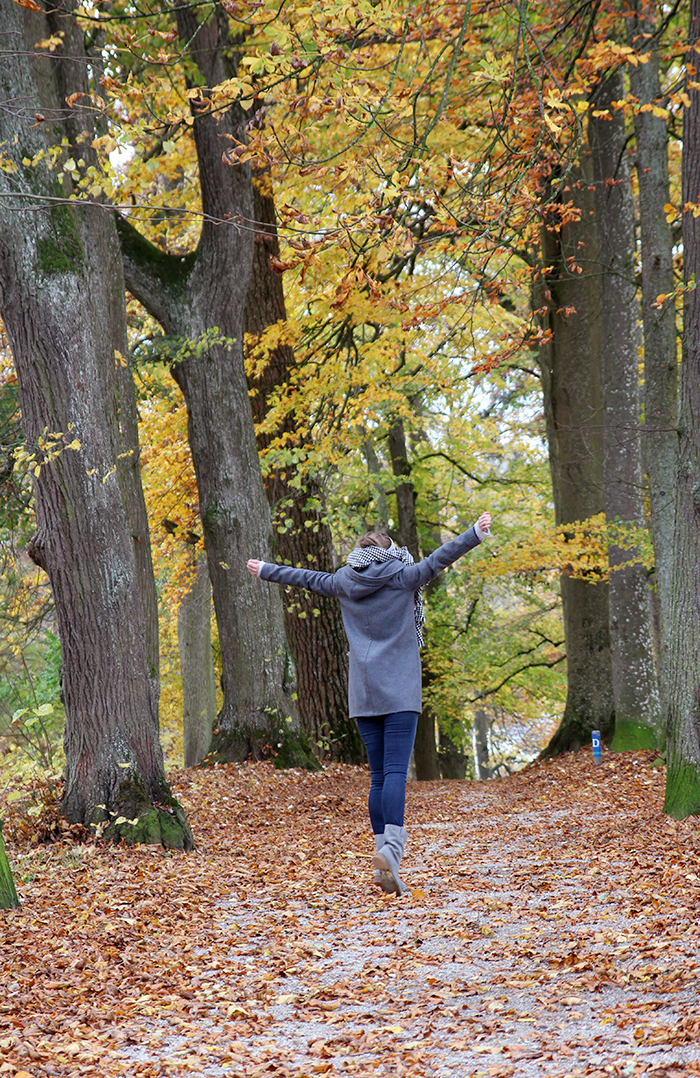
(552, 930)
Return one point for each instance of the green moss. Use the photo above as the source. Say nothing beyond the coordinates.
(632, 736)
(278, 742)
(295, 750)
(682, 791)
(134, 819)
(175, 832)
(61, 251)
(171, 270)
(145, 832)
(8, 894)
(212, 516)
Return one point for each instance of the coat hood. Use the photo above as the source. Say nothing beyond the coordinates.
(357, 583)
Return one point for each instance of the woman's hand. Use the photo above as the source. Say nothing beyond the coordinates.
(484, 522)
(254, 566)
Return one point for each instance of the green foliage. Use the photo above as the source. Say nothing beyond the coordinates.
(15, 491)
(172, 350)
(31, 713)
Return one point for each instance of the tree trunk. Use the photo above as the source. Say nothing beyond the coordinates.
(405, 493)
(683, 748)
(205, 292)
(8, 894)
(573, 404)
(425, 753)
(481, 745)
(58, 304)
(381, 514)
(197, 666)
(453, 762)
(425, 749)
(660, 352)
(313, 622)
(637, 708)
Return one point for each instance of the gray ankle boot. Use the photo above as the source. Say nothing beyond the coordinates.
(378, 842)
(387, 860)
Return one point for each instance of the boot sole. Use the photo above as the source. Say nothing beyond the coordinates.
(387, 881)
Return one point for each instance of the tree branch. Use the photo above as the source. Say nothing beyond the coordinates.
(157, 280)
(509, 677)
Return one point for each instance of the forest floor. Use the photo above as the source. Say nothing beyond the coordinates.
(552, 929)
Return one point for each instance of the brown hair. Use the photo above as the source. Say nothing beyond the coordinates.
(374, 539)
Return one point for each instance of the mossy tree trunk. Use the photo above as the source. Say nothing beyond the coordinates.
(61, 296)
(8, 894)
(190, 296)
(660, 339)
(636, 692)
(313, 622)
(572, 388)
(683, 748)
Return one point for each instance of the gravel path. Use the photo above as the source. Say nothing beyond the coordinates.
(552, 929)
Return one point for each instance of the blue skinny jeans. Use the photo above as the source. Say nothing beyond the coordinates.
(389, 743)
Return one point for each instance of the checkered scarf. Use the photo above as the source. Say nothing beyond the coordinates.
(363, 556)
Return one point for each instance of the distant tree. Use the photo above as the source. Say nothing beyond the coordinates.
(301, 532)
(683, 748)
(197, 666)
(635, 684)
(189, 296)
(572, 384)
(659, 433)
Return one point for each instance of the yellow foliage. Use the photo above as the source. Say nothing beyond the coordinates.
(579, 549)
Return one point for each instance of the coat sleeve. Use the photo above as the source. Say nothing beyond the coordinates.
(324, 583)
(415, 576)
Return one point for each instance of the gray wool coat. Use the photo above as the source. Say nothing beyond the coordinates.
(377, 607)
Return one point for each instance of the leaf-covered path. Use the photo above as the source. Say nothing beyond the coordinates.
(552, 930)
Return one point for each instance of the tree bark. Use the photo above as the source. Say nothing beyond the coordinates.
(453, 762)
(404, 491)
(573, 403)
(481, 745)
(660, 440)
(381, 514)
(8, 894)
(431, 762)
(60, 308)
(313, 622)
(425, 752)
(635, 685)
(197, 666)
(190, 296)
(683, 748)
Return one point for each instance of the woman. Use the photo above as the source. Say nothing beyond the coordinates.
(379, 593)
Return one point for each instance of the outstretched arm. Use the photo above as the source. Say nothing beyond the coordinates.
(415, 576)
(297, 578)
